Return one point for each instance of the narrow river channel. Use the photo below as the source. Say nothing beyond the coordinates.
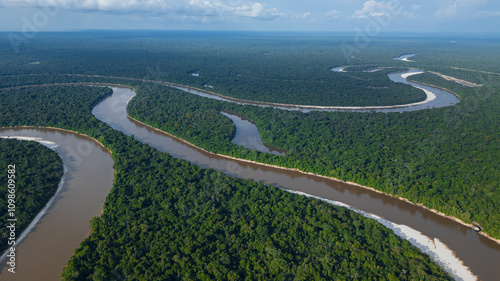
(49, 245)
(248, 136)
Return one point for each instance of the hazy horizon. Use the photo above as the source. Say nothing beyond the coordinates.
(367, 16)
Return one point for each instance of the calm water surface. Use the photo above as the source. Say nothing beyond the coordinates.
(48, 247)
(248, 136)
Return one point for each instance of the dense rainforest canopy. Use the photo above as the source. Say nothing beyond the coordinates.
(166, 218)
(444, 158)
(437, 157)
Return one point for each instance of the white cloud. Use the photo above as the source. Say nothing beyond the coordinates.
(334, 14)
(489, 14)
(453, 8)
(101, 5)
(185, 8)
(447, 12)
(373, 8)
(256, 10)
(415, 7)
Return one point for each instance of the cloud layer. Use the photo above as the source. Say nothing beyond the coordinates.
(203, 8)
(373, 8)
(462, 9)
(421, 15)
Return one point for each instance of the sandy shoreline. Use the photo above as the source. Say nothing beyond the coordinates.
(387, 224)
(62, 130)
(406, 59)
(430, 85)
(42, 212)
(231, 99)
(429, 94)
(456, 80)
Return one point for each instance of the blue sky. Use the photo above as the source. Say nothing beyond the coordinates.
(311, 15)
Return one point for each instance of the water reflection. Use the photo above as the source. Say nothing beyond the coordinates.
(405, 57)
(248, 136)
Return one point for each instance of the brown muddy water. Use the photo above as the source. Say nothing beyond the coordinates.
(48, 246)
(477, 252)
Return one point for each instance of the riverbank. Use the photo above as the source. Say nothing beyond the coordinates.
(89, 177)
(430, 85)
(258, 163)
(189, 89)
(429, 97)
(405, 57)
(36, 219)
(63, 130)
(270, 149)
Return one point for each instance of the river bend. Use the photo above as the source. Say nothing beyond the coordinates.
(88, 178)
(477, 252)
(435, 97)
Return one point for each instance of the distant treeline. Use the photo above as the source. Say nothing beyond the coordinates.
(271, 71)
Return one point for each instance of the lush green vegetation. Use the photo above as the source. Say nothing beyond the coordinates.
(38, 172)
(50, 103)
(436, 157)
(444, 158)
(172, 220)
(285, 69)
(166, 218)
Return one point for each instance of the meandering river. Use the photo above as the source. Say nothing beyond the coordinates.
(436, 98)
(88, 181)
(477, 252)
